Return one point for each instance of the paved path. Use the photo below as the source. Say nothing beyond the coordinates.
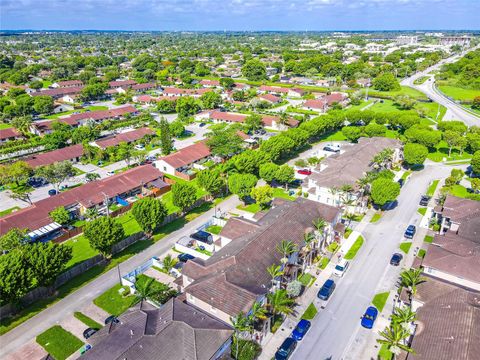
(335, 327)
(454, 110)
(81, 298)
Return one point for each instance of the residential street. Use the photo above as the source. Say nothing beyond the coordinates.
(27, 331)
(454, 110)
(336, 326)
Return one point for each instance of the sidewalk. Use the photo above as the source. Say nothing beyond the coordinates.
(273, 341)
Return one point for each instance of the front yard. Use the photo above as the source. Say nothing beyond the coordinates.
(59, 343)
(115, 303)
(380, 300)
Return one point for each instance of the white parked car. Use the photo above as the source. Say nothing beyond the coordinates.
(139, 147)
(341, 268)
(110, 173)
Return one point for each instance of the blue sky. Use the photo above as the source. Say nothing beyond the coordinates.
(240, 14)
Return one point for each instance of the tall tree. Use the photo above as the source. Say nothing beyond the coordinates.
(13, 239)
(184, 195)
(242, 184)
(102, 233)
(384, 190)
(149, 213)
(394, 338)
(60, 215)
(165, 137)
(286, 248)
(16, 278)
(56, 173)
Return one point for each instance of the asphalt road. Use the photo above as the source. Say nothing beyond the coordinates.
(336, 326)
(454, 110)
(27, 331)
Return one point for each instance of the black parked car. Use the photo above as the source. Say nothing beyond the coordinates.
(111, 319)
(52, 192)
(89, 332)
(203, 236)
(424, 200)
(286, 349)
(410, 232)
(396, 258)
(185, 257)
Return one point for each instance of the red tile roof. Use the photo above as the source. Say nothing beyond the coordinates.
(59, 92)
(69, 83)
(66, 153)
(127, 137)
(276, 89)
(121, 83)
(187, 155)
(315, 104)
(177, 91)
(144, 86)
(210, 82)
(225, 116)
(270, 98)
(89, 194)
(9, 133)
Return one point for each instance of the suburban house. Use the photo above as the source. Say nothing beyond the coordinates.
(272, 122)
(174, 331)
(126, 137)
(182, 162)
(196, 93)
(70, 153)
(454, 254)
(59, 92)
(325, 101)
(121, 83)
(448, 322)
(271, 99)
(209, 83)
(143, 87)
(315, 105)
(346, 168)
(66, 84)
(296, 92)
(10, 134)
(236, 276)
(120, 188)
(75, 120)
(274, 90)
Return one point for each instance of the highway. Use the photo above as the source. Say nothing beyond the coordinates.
(454, 111)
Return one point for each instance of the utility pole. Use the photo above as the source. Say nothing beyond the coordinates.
(105, 197)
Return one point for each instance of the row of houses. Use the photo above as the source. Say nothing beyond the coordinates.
(42, 128)
(140, 181)
(448, 302)
(75, 152)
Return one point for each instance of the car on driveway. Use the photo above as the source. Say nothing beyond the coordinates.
(368, 319)
(301, 329)
(111, 319)
(89, 332)
(341, 268)
(185, 257)
(424, 200)
(410, 232)
(332, 148)
(286, 349)
(326, 290)
(396, 258)
(52, 192)
(304, 172)
(202, 124)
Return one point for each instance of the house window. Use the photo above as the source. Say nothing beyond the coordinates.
(164, 168)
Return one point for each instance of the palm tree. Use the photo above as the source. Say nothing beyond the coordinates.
(169, 262)
(320, 225)
(274, 271)
(283, 119)
(404, 316)
(144, 288)
(411, 279)
(334, 191)
(240, 324)
(258, 312)
(91, 213)
(308, 239)
(350, 217)
(280, 303)
(22, 124)
(394, 337)
(286, 248)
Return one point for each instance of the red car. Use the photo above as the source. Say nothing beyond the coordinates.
(304, 172)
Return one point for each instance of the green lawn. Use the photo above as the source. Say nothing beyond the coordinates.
(9, 211)
(421, 253)
(214, 229)
(431, 109)
(384, 107)
(69, 112)
(113, 302)
(406, 174)
(384, 353)
(405, 246)
(405, 90)
(87, 320)
(348, 231)
(333, 247)
(335, 136)
(428, 239)
(432, 187)
(59, 343)
(253, 208)
(352, 252)
(376, 217)
(421, 80)
(310, 313)
(323, 262)
(379, 300)
(422, 211)
(442, 153)
(360, 106)
(458, 93)
(5, 126)
(306, 279)
(81, 250)
(281, 193)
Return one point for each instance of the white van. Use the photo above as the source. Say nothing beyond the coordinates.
(341, 268)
